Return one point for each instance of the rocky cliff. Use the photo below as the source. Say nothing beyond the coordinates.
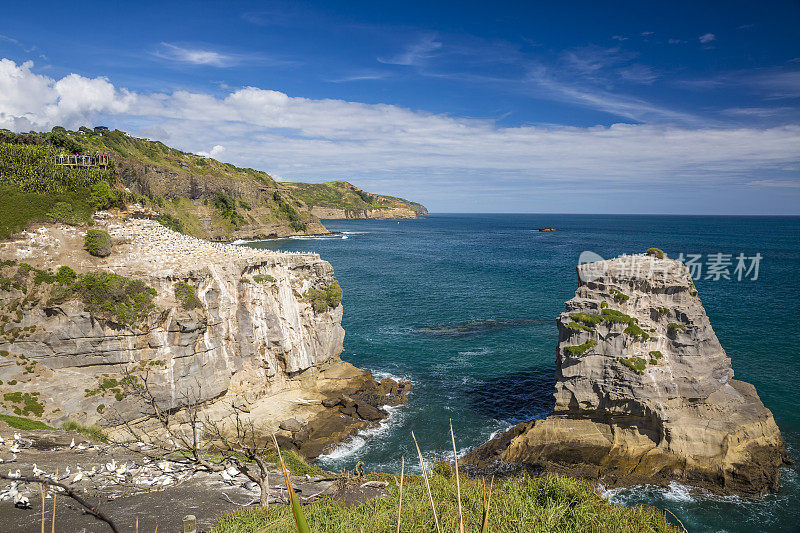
(200, 322)
(340, 199)
(644, 391)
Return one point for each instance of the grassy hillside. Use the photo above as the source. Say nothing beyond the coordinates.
(122, 146)
(550, 503)
(343, 195)
(193, 194)
(212, 199)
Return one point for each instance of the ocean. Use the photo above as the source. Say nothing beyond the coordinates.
(464, 306)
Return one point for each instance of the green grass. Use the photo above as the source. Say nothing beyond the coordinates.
(545, 504)
(637, 364)
(581, 349)
(93, 431)
(263, 278)
(295, 465)
(20, 208)
(655, 354)
(21, 422)
(663, 311)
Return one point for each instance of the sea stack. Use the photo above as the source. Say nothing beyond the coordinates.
(644, 391)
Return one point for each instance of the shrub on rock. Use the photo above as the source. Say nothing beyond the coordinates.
(98, 243)
(655, 252)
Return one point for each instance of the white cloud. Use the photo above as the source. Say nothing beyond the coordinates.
(775, 183)
(619, 38)
(215, 152)
(707, 38)
(302, 137)
(416, 53)
(195, 56)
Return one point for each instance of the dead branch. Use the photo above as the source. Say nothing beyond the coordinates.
(88, 508)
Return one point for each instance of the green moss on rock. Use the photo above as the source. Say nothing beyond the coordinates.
(187, 296)
(581, 348)
(637, 364)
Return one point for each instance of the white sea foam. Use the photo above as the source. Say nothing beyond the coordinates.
(480, 351)
(379, 375)
(346, 449)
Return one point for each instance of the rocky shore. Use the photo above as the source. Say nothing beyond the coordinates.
(644, 392)
(229, 327)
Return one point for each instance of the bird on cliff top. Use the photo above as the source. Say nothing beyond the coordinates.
(38, 472)
(21, 502)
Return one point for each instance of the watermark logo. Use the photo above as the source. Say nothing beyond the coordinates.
(591, 266)
(712, 267)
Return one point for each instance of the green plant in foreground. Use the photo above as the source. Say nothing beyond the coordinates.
(98, 243)
(536, 505)
(655, 252)
(263, 278)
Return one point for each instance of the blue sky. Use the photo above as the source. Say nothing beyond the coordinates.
(503, 107)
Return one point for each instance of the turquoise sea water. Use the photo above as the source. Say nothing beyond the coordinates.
(464, 306)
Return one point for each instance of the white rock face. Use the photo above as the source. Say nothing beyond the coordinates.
(645, 392)
(254, 336)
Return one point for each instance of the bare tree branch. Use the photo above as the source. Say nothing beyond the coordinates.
(89, 508)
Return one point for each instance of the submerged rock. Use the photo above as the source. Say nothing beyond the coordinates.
(644, 391)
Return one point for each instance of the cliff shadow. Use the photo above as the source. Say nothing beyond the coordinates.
(515, 397)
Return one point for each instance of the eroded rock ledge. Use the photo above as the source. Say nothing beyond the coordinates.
(644, 392)
(247, 337)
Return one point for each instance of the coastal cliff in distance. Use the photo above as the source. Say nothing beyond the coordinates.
(340, 199)
(198, 322)
(644, 391)
(190, 193)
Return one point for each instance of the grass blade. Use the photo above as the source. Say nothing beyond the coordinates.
(458, 482)
(427, 485)
(297, 509)
(400, 505)
(486, 505)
